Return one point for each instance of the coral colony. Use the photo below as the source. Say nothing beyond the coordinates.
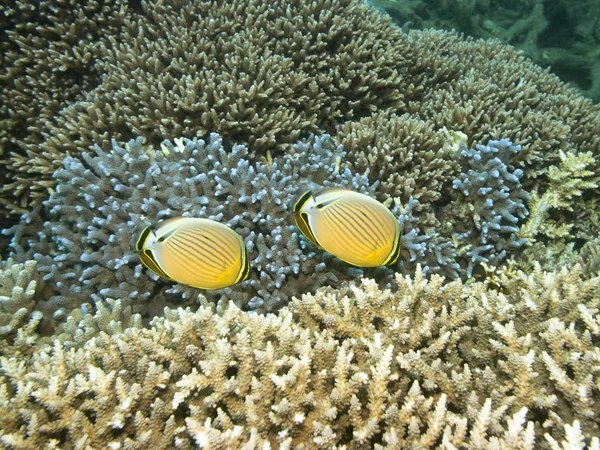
(116, 116)
(497, 200)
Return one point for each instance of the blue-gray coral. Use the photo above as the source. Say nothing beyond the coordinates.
(495, 201)
(103, 199)
(434, 252)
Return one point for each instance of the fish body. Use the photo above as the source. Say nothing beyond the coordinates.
(351, 226)
(198, 252)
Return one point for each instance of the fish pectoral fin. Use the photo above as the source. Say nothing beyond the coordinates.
(148, 260)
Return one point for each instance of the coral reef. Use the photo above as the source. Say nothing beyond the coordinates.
(494, 203)
(104, 199)
(567, 183)
(409, 157)
(259, 74)
(18, 283)
(554, 34)
(48, 63)
(480, 90)
(266, 75)
(425, 364)
(97, 352)
(491, 91)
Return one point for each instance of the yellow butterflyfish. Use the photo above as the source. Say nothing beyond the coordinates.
(351, 226)
(201, 253)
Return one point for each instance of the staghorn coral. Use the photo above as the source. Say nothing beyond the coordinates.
(563, 225)
(425, 364)
(494, 203)
(49, 50)
(18, 283)
(103, 200)
(262, 74)
(407, 155)
(435, 252)
(469, 343)
(567, 182)
(109, 317)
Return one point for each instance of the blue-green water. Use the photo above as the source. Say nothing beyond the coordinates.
(562, 35)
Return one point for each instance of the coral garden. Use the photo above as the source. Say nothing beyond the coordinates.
(115, 115)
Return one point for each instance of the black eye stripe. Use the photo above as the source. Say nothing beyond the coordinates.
(298, 204)
(139, 244)
(166, 235)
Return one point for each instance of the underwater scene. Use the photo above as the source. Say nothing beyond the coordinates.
(280, 224)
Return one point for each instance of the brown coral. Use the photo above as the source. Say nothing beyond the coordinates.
(485, 90)
(48, 63)
(482, 90)
(420, 365)
(409, 156)
(257, 73)
(264, 75)
(488, 90)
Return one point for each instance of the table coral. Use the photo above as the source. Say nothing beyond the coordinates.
(425, 364)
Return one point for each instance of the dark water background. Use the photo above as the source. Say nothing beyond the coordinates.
(563, 35)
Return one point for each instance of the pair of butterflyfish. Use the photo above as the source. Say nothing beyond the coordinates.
(209, 255)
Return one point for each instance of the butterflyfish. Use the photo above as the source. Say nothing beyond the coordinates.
(351, 226)
(201, 253)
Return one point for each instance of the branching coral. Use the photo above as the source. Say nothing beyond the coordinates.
(425, 364)
(567, 182)
(490, 91)
(384, 363)
(562, 228)
(18, 284)
(483, 90)
(407, 155)
(262, 74)
(109, 316)
(103, 200)
(49, 50)
(494, 201)
(265, 75)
